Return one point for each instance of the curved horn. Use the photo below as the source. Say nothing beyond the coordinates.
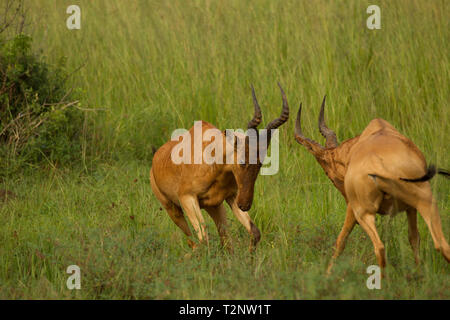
(328, 134)
(312, 146)
(284, 113)
(298, 123)
(258, 116)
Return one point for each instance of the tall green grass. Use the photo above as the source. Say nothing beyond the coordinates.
(150, 67)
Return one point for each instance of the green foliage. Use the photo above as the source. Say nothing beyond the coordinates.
(37, 119)
(27, 78)
(59, 138)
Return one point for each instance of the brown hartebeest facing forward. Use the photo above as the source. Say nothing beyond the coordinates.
(192, 187)
(379, 171)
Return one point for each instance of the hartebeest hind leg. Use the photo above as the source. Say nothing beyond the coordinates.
(429, 212)
(192, 209)
(419, 196)
(413, 232)
(244, 218)
(347, 228)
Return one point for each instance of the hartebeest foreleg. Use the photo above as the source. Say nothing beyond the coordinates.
(347, 228)
(246, 221)
(192, 209)
(219, 215)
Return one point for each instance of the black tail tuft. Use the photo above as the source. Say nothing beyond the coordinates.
(444, 172)
(431, 172)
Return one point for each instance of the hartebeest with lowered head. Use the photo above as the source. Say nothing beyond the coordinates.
(379, 171)
(190, 187)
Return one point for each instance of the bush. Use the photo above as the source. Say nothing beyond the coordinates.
(38, 117)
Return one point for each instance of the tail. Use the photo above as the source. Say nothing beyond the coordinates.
(444, 172)
(431, 172)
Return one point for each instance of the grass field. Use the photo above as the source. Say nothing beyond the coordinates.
(150, 67)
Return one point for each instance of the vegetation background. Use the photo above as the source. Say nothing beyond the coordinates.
(149, 67)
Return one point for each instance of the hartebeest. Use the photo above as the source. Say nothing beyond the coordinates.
(379, 171)
(191, 187)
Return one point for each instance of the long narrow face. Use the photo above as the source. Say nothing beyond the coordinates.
(247, 169)
(246, 174)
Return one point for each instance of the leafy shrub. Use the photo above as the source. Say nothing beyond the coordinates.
(38, 118)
